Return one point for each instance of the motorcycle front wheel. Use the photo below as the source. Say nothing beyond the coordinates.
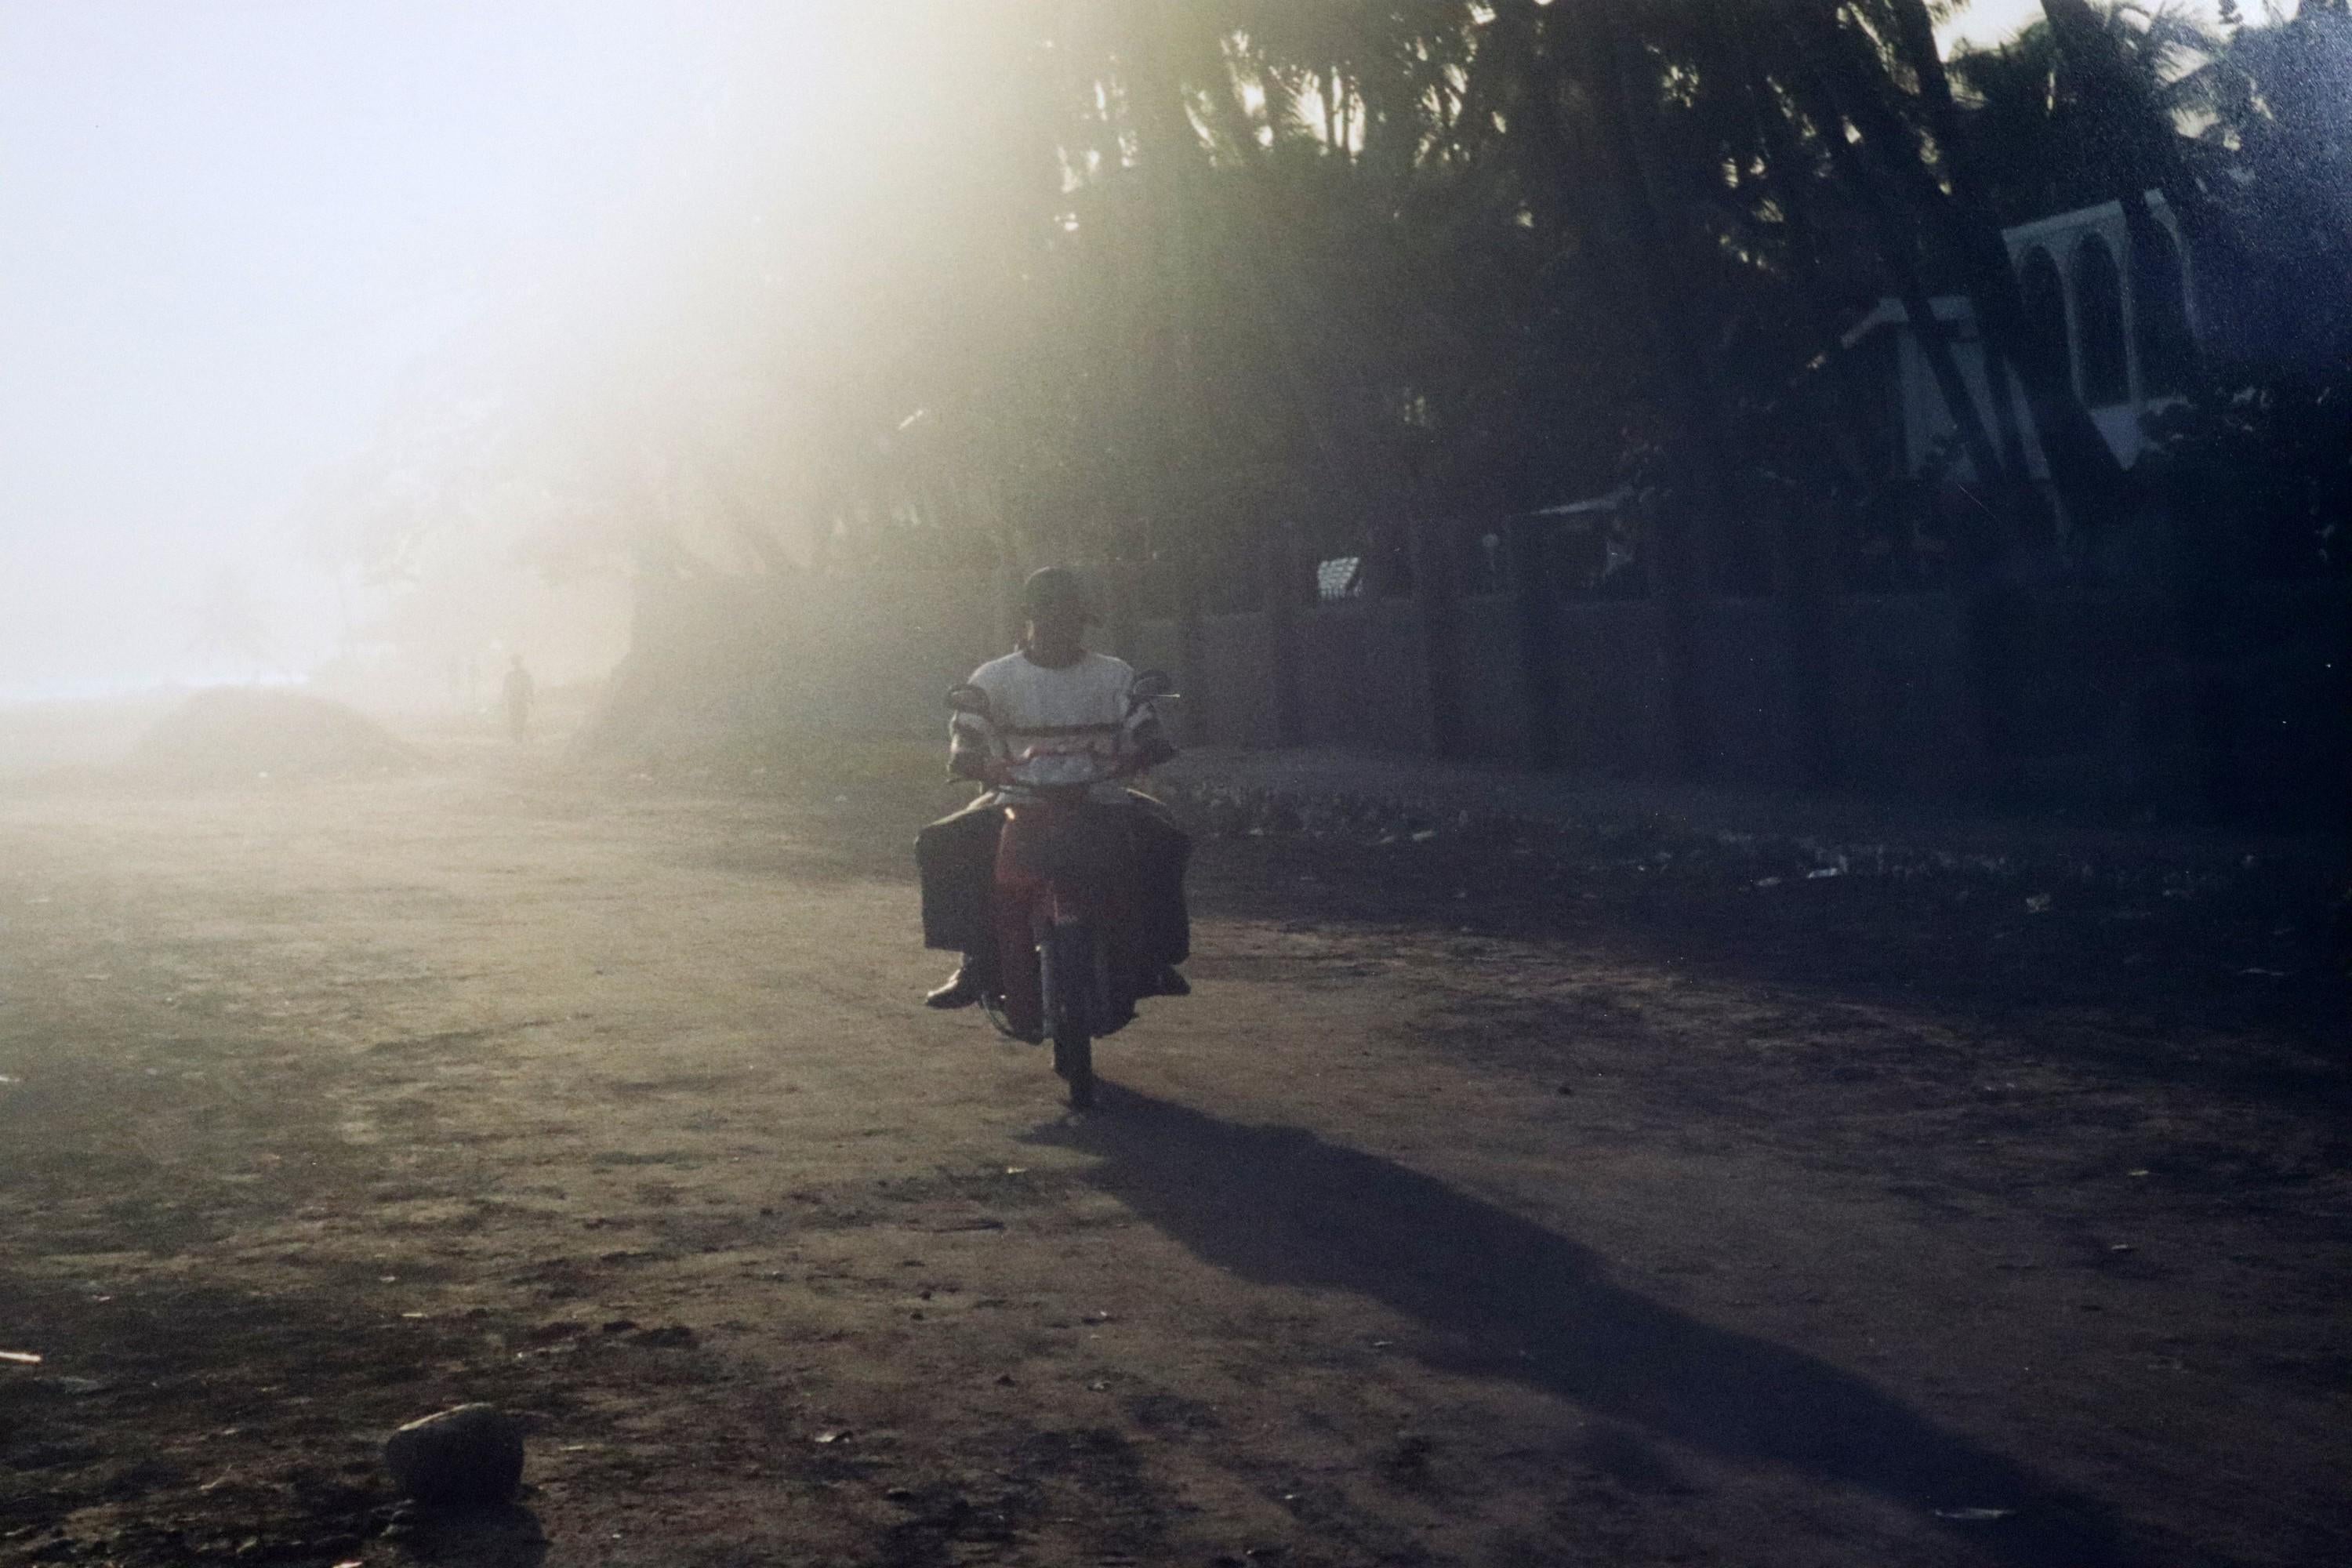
(1071, 1021)
(1074, 1059)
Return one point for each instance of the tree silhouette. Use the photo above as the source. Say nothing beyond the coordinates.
(1223, 287)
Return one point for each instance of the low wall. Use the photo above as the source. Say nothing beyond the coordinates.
(1898, 695)
(1492, 692)
(2255, 720)
(1359, 677)
(1232, 700)
(1749, 692)
(1609, 668)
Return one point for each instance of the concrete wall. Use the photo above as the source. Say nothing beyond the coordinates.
(2293, 702)
(1747, 687)
(1491, 694)
(1233, 702)
(2106, 710)
(2084, 655)
(1612, 672)
(1898, 694)
(1359, 677)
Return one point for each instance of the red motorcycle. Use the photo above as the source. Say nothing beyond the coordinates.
(1063, 867)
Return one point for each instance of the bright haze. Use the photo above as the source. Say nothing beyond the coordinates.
(265, 268)
(273, 276)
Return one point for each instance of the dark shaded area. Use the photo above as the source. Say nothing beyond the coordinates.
(2173, 945)
(1504, 1297)
(2151, 942)
(506, 1535)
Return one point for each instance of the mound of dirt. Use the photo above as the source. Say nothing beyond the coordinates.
(235, 732)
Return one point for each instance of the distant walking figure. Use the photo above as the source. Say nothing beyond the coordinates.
(519, 694)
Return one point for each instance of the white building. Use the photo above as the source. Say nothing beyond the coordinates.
(2129, 332)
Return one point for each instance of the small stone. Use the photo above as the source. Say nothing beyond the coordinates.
(461, 1457)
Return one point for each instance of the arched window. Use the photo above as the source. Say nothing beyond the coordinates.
(2160, 317)
(2099, 318)
(2045, 305)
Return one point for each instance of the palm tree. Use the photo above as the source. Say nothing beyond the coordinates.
(2279, 124)
(2044, 130)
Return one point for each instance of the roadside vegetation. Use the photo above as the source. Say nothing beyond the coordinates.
(1192, 284)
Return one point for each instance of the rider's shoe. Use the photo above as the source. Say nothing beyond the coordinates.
(1168, 982)
(960, 990)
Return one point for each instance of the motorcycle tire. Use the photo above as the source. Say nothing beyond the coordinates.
(1074, 1059)
(1072, 1023)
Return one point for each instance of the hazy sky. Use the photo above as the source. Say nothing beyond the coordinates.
(226, 230)
(228, 227)
(1989, 21)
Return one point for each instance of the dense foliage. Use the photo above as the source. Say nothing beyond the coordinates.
(1333, 268)
(1191, 283)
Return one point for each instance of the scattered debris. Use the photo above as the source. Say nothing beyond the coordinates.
(1664, 845)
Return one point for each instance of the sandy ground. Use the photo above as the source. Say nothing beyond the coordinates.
(1475, 1210)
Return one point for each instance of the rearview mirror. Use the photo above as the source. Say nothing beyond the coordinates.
(968, 699)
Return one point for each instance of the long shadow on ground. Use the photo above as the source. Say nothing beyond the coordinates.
(1280, 1206)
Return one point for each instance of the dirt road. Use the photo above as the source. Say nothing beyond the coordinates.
(1456, 1219)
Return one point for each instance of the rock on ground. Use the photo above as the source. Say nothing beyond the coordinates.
(468, 1456)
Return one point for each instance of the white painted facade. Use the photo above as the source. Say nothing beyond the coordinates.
(2114, 344)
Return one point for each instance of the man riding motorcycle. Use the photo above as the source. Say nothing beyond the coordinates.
(1052, 694)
